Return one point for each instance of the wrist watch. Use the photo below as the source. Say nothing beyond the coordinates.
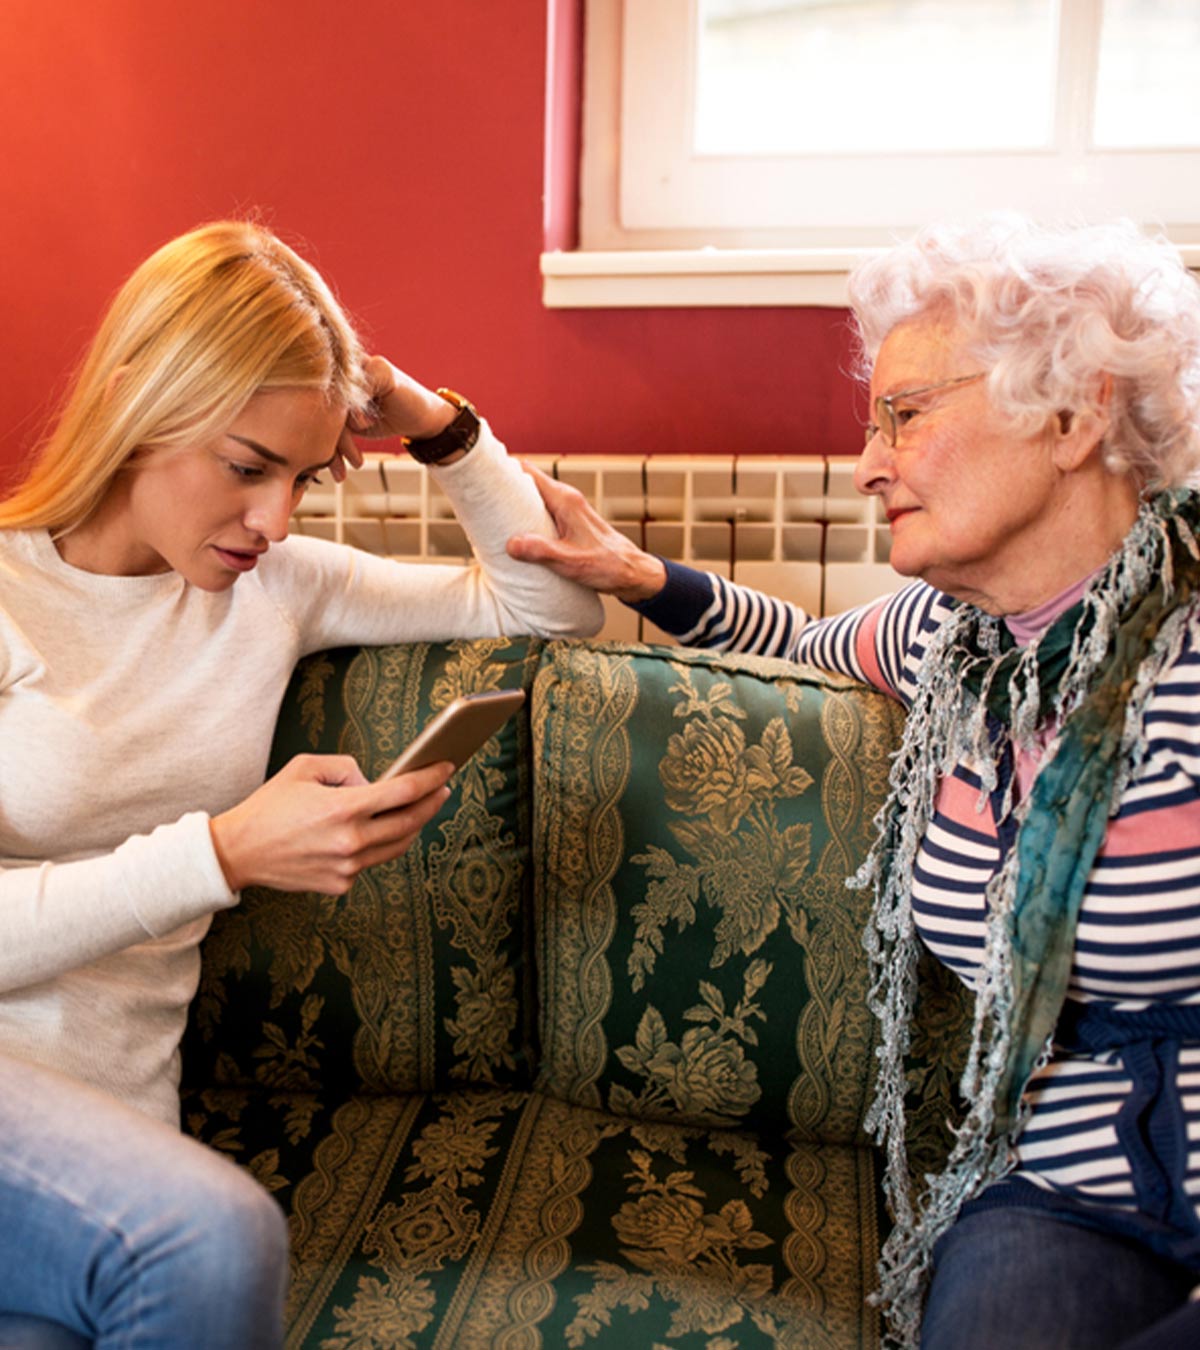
(461, 434)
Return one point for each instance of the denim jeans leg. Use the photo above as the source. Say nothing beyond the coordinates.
(1012, 1278)
(1179, 1330)
(118, 1228)
(18, 1332)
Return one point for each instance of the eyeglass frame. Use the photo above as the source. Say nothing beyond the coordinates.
(884, 410)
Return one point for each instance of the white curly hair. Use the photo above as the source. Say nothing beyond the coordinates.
(1049, 311)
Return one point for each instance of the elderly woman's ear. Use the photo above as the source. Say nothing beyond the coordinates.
(1077, 432)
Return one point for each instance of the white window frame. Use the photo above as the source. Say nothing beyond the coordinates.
(639, 190)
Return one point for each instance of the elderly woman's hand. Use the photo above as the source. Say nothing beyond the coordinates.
(588, 550)
(400, 406)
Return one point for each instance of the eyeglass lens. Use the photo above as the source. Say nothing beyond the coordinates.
(885, 421)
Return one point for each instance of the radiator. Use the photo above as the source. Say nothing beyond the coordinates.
(792, 527)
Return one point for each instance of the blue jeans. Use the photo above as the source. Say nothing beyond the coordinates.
(118, 1231)
(1015, 1278)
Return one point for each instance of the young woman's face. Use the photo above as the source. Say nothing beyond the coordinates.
(209, 511)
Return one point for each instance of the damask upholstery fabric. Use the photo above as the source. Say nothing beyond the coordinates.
(493, 1218)
(701, 961)
(586, 1067)
(447, 923)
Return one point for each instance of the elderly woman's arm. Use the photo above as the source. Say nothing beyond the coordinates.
(880, 643)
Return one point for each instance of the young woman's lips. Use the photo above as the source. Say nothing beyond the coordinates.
(896, 512)
(241, 560)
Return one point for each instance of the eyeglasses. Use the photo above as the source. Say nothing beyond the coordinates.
(887, 419)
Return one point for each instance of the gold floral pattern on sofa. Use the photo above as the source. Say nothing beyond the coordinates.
(447, 921)
(738, 857)
(689, 1172)
(724, 975)
(694, 1258)
(706, 1075)
(505, 1218)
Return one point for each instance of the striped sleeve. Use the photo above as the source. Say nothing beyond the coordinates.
(881, 643)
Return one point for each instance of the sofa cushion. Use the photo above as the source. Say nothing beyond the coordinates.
(419, 978)
(699, 953)
(492, 1217)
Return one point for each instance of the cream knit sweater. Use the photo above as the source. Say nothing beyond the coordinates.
(134, 708)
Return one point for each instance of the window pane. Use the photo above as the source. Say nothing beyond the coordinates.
(1148, 87)
(862, 76)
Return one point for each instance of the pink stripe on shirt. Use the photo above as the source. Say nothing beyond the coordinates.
(1167, 829)
(958, 801)
(864, 647)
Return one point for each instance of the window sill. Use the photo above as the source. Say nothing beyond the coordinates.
(649, 278)
(675, 278)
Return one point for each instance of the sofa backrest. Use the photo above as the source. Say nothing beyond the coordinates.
(636, 897)
(696, 818)
(419, 978)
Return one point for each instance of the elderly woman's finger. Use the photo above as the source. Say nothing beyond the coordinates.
(542, 479)
(569, 508)
(537, 548)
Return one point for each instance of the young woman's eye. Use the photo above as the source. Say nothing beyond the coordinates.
(307, 480)
(244, 470)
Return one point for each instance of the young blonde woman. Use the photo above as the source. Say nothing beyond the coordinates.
(151, 610)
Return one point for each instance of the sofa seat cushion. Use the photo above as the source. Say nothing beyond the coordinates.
(496, 1217)
(298, 991)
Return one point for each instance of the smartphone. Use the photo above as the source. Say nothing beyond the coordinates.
(457, 731)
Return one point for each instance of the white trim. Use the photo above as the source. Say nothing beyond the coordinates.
(651, 278)
(620, 267)
(666, 184)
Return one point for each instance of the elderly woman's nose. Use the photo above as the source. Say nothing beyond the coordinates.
(875, 469)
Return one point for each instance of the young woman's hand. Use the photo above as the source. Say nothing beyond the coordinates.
(588, 549)
(317, 823)
(400, 406)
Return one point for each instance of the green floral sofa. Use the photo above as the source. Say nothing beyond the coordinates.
(587, 1066)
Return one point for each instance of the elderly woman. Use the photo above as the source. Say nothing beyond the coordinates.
(1035, 415)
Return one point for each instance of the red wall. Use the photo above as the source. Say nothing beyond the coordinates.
(402, 142)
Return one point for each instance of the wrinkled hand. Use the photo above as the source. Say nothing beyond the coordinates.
(588, 549)
(400, 406)
(318, 823)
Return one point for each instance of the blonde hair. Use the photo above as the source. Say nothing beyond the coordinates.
(206, 322)
(1047, 310)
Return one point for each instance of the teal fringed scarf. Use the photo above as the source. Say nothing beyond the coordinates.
(980, 697)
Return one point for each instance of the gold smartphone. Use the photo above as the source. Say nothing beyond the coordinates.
(457, 731)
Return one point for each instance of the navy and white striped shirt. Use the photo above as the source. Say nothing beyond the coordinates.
(1116, 1128)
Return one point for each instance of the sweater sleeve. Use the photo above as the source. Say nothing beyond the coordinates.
(146, 888)
(880, 643)
(342, 596)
